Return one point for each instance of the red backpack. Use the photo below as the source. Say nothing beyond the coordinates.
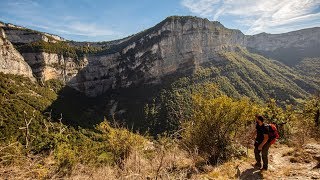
(273, 133)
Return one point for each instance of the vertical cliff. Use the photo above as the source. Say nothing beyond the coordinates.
(290, 48)
(11, 61)
(45, 53)
(47, 66)
(175, 45)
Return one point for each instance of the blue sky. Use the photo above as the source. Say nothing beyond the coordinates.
(103, 20)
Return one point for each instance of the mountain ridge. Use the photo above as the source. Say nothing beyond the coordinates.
(4, 24)
(178, 43)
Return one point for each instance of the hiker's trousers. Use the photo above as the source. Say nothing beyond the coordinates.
(264, 153)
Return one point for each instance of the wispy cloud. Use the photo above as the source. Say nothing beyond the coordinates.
(259, 15)
(202, 7)
(81, 29)
(27, 12)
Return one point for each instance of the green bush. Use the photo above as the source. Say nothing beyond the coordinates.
(120, 141)
(66, 157)
(311, 112)
(60, 47)
(214, 123)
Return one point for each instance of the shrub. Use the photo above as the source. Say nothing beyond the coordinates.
(214, 123)
(66, 157)
(59, 47)
(120, 141)
(311, 114)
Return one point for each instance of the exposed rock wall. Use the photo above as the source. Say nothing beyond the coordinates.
(11, 61)
(21, 35)
(47, 66)
(176, 45)
(180, 45)
(44, 65)
(270, 42)
(290, 48)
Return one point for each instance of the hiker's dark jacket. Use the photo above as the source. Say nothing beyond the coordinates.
(261, 130)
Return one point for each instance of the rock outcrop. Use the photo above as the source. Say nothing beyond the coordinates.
(305, 38)
(47, 66)
(176, 45)
(290, 48)
(18, 34)
(11, 61)
(44, 65)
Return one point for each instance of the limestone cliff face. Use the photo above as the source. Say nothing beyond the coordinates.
(47, 66)
(17, 34)
(176, 45)
(179, 45)
(299, 39)
(44, 65)
(290, 48)
(11, 61)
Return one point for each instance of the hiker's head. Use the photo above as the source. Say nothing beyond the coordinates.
(259, 119)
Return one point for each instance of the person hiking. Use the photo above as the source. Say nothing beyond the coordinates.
(262, 143)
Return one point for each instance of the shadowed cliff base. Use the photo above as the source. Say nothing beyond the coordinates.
(76, 108)
(124, 106)
(237, 74)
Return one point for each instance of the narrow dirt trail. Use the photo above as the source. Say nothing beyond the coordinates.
(285, 163)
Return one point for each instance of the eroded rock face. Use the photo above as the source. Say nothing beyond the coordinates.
(289, 48)
(11, 61)
(174, 45)
(44, 65)
(299, 39)
(180, 45)
(47, 66)
(17, 34)
(177, 45)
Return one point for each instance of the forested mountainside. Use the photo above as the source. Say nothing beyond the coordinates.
(121, 77)
(178, 44)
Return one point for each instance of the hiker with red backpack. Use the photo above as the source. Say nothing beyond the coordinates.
(266, 135)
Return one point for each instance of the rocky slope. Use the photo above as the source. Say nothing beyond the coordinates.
(18, 34)
(44, 65)
(11, 60)
(289, 48)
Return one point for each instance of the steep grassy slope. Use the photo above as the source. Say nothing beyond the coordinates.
(23, 100)
(243, 73)
(310, 67)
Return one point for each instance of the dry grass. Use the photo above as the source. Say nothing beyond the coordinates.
(289, 152)
(31, 167)
(172, 163)
(163, 161)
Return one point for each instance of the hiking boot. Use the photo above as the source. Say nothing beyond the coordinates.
(264, 169)
(257, 165)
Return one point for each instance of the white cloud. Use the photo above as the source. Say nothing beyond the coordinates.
(259, 15)
(83, 29)
(27, 13)
(202, 7)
